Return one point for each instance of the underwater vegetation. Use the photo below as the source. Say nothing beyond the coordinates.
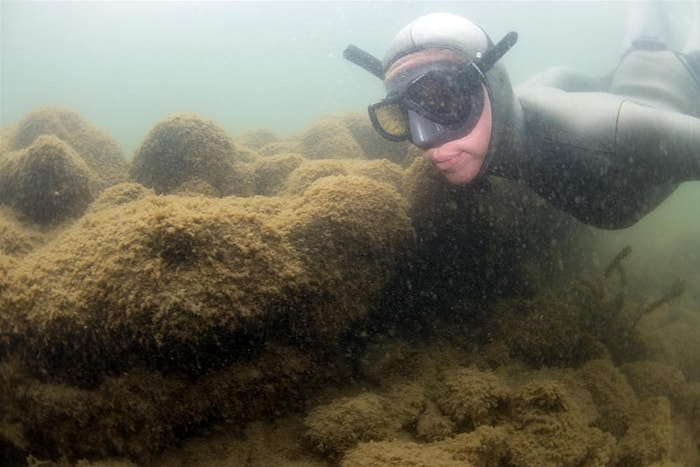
(561, 378)
(589, 318)
(322, 299)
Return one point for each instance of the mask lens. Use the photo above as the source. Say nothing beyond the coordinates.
(441, 99)
(390, 120)
(450, 102)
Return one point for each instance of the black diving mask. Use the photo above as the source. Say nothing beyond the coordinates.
(431, 104)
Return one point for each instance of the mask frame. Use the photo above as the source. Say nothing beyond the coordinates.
(430, 105)
(432, 132)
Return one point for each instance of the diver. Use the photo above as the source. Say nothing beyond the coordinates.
(605, 150)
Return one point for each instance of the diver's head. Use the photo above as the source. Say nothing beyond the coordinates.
(439, 103)
(439, 31)
(433, 96)
(434, 91)
(436, 74)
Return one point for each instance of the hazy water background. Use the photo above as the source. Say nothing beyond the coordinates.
(124, 65)
(277, 65)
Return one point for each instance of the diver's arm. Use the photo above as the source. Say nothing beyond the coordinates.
(663, 143)
(565, 79)
(602, 158)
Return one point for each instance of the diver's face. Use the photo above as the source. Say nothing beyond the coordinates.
(461, 160)
(461, 155)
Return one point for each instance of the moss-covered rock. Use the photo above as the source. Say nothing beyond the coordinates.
(184, 147)
(47, 182)
(95, 147)
(328, 138)
(269, 174)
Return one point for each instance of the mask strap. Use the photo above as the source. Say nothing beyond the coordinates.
(483, 64)
(493, 54)
(364, 60)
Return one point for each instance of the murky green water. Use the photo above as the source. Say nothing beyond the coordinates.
(278, 65)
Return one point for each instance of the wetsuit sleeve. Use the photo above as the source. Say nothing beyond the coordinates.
(565, 79)
(605, 159)
(659, 144)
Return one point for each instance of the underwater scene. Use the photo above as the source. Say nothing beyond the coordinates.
(210, 256)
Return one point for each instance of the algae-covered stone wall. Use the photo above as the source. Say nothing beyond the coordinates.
(203, 289)
(328, 283)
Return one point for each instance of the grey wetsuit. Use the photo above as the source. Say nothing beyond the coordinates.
(607, 151)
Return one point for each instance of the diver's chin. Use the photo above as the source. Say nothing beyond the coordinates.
(459, 179)
(461, 169)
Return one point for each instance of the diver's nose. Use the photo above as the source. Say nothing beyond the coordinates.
(424, 133)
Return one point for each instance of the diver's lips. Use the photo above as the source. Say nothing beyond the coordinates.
(445, 163)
